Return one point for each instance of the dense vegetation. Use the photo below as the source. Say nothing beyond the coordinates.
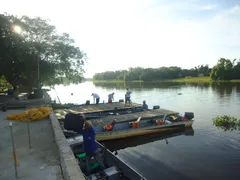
(226, 70)
(26, 41)
(223, 70)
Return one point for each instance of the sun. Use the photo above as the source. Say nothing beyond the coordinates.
(17, 29)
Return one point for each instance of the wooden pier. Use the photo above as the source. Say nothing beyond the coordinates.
(159, 113)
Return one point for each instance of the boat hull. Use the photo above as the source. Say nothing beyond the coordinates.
(109, 159)
(141, 131)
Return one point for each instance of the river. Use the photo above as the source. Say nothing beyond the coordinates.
(210, 153)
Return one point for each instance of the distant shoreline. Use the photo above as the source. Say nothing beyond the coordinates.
(189, 79)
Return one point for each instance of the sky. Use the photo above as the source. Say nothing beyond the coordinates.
(118, 34)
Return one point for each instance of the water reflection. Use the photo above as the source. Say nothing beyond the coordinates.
(115, 145)
(223, 89)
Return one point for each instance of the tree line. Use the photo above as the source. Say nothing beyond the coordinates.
(33, 53)
(225, 69)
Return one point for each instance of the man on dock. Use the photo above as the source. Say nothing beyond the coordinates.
(111, 97)
(96, 97)
(128, 96)
(90, 146)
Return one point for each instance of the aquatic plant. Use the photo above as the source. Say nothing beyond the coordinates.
(227, 123)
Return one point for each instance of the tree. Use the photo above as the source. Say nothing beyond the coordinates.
(39, 41)
(203, 69)
(223, 70)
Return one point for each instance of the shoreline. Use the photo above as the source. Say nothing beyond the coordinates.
(181, 80)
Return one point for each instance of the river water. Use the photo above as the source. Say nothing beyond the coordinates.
(210, 153)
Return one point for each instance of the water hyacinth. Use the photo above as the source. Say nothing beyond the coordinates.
(227, 123)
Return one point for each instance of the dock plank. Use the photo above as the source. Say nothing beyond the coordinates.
(133, 116)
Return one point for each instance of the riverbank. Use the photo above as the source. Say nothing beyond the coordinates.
(188, 79)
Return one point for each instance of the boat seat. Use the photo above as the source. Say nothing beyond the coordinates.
(81, 155)
(82, 158)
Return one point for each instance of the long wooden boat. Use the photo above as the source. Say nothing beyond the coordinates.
(124, 128)
(94, 111)
(114, 145)
(144, 129)
(115, 168)
(116, 112)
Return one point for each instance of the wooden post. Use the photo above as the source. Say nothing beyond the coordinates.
(14, 151)
(29, 137)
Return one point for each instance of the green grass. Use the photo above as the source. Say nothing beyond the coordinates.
(235, 80)
(187, 79)
(192, 79)
(111, 81)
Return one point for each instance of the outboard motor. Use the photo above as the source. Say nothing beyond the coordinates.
(73, 122)
(189, 115)
(156, 107)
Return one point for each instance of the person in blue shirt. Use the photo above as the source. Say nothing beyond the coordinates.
(89, 142)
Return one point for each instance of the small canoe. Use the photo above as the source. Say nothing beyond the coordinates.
(115, 168)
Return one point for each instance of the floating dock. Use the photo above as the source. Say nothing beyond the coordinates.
(159, 113)
(60, 113)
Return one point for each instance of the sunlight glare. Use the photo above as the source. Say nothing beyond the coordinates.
(17, 29)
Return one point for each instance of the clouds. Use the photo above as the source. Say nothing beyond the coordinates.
(208, 7)
(150, 33)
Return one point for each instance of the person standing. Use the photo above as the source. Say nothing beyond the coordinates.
(90, 146)
(96, 97)
(128, 96)
(111, 97)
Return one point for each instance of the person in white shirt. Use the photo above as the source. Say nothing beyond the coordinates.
(128, 96)
(111, 97)
(96, 97)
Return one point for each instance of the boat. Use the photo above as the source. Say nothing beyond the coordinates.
(115, 168)
(127, 127)
(93, 111)
(120, 144)
(116, 112)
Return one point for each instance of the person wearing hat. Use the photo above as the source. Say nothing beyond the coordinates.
(89, 142)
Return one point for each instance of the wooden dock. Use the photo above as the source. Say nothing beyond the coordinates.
(159, 113)
(60, 113)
